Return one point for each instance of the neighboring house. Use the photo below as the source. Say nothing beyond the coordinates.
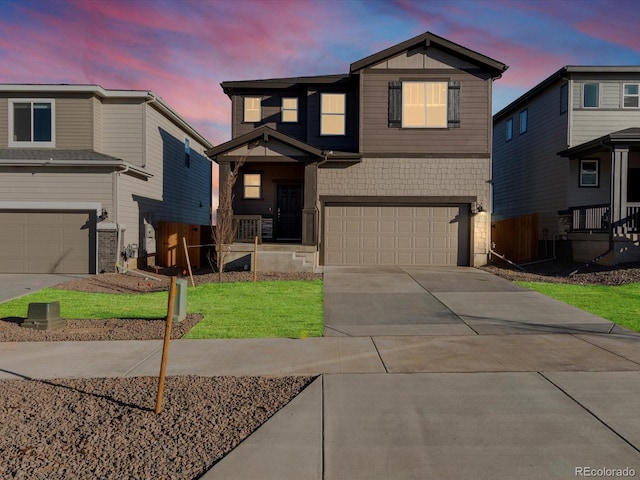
(568, 150)
(388, 164)
(86, 173)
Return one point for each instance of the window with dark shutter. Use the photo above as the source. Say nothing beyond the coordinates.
(453, 105)
(395, 104)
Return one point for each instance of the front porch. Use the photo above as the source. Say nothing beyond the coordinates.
(272, 257)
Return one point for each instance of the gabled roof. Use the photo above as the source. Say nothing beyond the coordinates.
(45, 157)
(628, 136)
(563, 73)
(427, 39)
(267, 133)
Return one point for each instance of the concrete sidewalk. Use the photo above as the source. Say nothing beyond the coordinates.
(468, 376)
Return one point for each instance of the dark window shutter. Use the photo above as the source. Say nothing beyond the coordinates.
(395, 104)
(453, 105)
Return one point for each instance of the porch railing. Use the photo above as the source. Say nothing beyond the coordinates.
(597, 218)
(593, 218)
(248, 227)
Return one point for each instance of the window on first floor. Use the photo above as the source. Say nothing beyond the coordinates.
(333, 114)
(591, 95)
(289, 110)
(252, 110)
(509, 130)
(31, 123)
(252, 185)
(589, 173)
(630, 95)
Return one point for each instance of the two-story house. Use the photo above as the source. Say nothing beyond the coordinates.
(568, 150)
(388, 164)
(86, 174)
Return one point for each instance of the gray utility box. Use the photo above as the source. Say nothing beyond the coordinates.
(44, 316)
(180, 303)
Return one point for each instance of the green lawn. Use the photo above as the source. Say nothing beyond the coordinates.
(231, 310)
(620, 304)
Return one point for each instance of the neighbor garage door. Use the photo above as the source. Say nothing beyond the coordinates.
(396, 235)
(46, 242)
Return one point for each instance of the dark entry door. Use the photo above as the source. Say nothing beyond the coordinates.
(289, 213)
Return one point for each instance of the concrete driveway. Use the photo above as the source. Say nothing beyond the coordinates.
(14, 285)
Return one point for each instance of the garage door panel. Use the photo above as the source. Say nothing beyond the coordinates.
(396, 235)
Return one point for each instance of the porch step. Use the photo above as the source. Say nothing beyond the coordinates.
(277, 257)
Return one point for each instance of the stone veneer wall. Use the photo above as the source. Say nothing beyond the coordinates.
(419, 177)
(107, 251)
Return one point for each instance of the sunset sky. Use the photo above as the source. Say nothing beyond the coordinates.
(183, 49)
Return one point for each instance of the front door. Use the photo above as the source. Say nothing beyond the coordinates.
(289, 213)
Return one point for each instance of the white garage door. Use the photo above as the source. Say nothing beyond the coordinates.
(46, 242)
(396, 235)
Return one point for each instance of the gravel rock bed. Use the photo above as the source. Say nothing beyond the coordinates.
(107, 428)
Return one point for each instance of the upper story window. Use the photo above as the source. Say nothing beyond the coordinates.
(252, 185)
(289, 110)
(333, 113)
(187, 153)
(564, 98)
(630, 95)
(509, 130)
(524, 115)
(591, 95)
(32, 122)
(424, 104)
(589, 173)
(252, 110)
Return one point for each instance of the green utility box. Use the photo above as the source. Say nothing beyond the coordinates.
(180, 303)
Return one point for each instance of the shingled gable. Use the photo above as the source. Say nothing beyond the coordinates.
(428, 39)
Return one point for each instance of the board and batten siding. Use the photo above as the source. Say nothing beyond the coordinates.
(528, 175)
(123, 130)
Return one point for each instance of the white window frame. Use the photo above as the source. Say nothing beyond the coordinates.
(582, 172)
(428, 102)
(289, 110)
(252, 113)
(508, 134)
(584, 85)
(633, 95)
(332, 114)
(257, 196)
(31, 143)
(524, 125)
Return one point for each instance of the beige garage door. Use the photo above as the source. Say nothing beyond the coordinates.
(394, 235)
(46, 242)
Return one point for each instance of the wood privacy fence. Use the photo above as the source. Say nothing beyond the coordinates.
(516, 238)
(170, 247)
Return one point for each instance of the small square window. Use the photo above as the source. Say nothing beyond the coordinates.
(289, 110)
(509, 130)
(252, 112)
(252, 185)
(589, 173)
(631, 95)
(523, 121)
(591, 95)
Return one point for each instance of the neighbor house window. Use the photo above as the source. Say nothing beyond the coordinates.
(630, 95)
(509, 130)
(187, 153)
(289, 110)
(564, 98)
(591, 95)
(252, 185)
(589, 173)
(252, 111)
(424, 104)
(332, 114)
(32, 123)
(523, 121)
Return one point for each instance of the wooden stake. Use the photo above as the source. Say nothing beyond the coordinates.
(186, 253)
(255, 259)
(165, 347)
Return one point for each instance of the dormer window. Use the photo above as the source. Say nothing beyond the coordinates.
(32, 122)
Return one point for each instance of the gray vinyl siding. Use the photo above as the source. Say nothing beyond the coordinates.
(581, 196)
(528, 175)
(97, 125)
(475, 107)
(4, 123)
(123, 130)
(590, 123)
(74, 123)
(38, 185)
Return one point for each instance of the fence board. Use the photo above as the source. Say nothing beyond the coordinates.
(516, 238)
(170, 248)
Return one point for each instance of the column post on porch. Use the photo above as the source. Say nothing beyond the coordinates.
(309, 213)
(619, 172)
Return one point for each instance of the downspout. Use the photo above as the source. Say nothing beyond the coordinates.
(116, 190)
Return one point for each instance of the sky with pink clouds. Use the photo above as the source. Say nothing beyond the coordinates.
(183, 49)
